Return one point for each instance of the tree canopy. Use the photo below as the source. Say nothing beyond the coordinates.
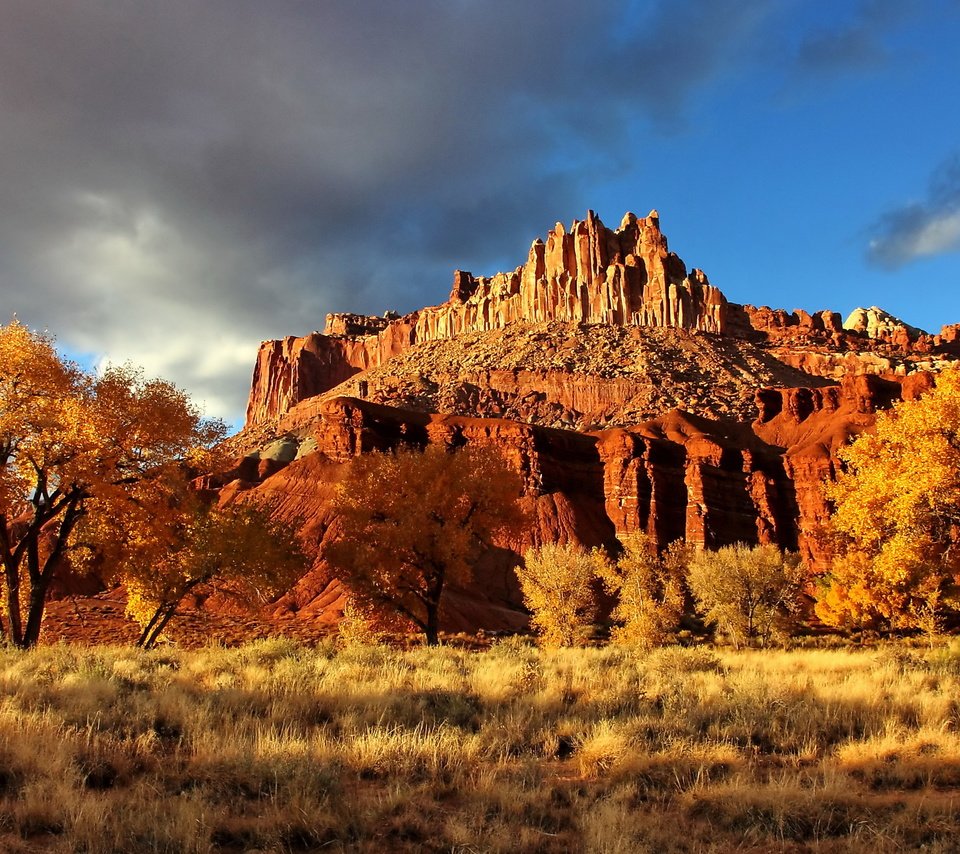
(412, 521)
(896, 516)
(747, 592)
(74, 445)
(557, 585)
(167, 549)
(649, 587)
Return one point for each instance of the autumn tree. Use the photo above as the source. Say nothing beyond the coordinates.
(172, 545)
(649, 588)
(74, 445)
(897, 516)
(747, 592)
(411, 522)
(557, 586)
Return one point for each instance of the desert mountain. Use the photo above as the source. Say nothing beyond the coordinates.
(628, 392)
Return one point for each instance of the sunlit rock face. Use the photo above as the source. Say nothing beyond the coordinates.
(628, 393)
(586, 274)
(880, 325)
(680, 476)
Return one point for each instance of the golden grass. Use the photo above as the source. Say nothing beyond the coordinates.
(275, 747)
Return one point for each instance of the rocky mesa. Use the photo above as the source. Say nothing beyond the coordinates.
(628, 392)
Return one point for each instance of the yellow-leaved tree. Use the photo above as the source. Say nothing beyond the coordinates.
(649, 588)
(76, 445)
(750, 593)
(896, 517)
(171, 544)
(411, 522)
(557, 585)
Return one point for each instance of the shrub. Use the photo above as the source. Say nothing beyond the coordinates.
(649, 588)
(747, 592)
(556, 581)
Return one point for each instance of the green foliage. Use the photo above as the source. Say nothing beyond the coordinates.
(649, 590)
(747, 592)
(557, 585)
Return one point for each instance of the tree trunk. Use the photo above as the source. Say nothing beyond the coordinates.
(42, 577)
(13, 607)
(150, 636)
(432, 626)
(148, 628)
(37, 602)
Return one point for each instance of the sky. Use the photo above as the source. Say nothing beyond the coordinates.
(180, 180)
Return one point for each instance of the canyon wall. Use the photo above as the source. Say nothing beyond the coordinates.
(592, 275)
(678, 476)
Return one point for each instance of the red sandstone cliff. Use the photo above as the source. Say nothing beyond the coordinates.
(589, 274)
(599, 328)
(678, 476)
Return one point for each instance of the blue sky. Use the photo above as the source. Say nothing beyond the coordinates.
(181, 180)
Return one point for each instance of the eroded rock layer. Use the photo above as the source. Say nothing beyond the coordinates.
(679, 476)
(588, 274)
(587, 277)
(629, 394)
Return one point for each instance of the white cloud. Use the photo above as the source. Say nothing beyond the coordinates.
(921, 229)
(937, 235)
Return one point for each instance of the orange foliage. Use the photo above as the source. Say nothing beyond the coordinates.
(897, 514)
(77, 446)
(410, 522)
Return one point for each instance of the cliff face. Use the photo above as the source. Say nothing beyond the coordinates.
(293, 369)
(678, 476)
(682, 415)
(588, 274)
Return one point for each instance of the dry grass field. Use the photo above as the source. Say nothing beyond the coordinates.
(281, 748)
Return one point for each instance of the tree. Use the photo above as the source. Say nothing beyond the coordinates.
(74, 445)
(746, 591)
(163, 553)
(649, 590)
(411, 522)
(896, 518)
(557, 585)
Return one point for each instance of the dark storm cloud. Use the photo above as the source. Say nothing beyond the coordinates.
(179, 180)
(860, 43)
(921, 229)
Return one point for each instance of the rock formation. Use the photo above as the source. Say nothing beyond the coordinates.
(879, 325)
(587, 274)
(678, 476)
(682, 415)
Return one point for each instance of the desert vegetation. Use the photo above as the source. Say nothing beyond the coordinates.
(276, 747)
(897, 517)
(86, 460)
(412, 521)
(656, 741)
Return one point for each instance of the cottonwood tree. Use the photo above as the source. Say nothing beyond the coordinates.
(167, 549)
(74, 445)
(557, 586)
(411, 522)
(897, 517)
(748, 592)
(649, 588)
